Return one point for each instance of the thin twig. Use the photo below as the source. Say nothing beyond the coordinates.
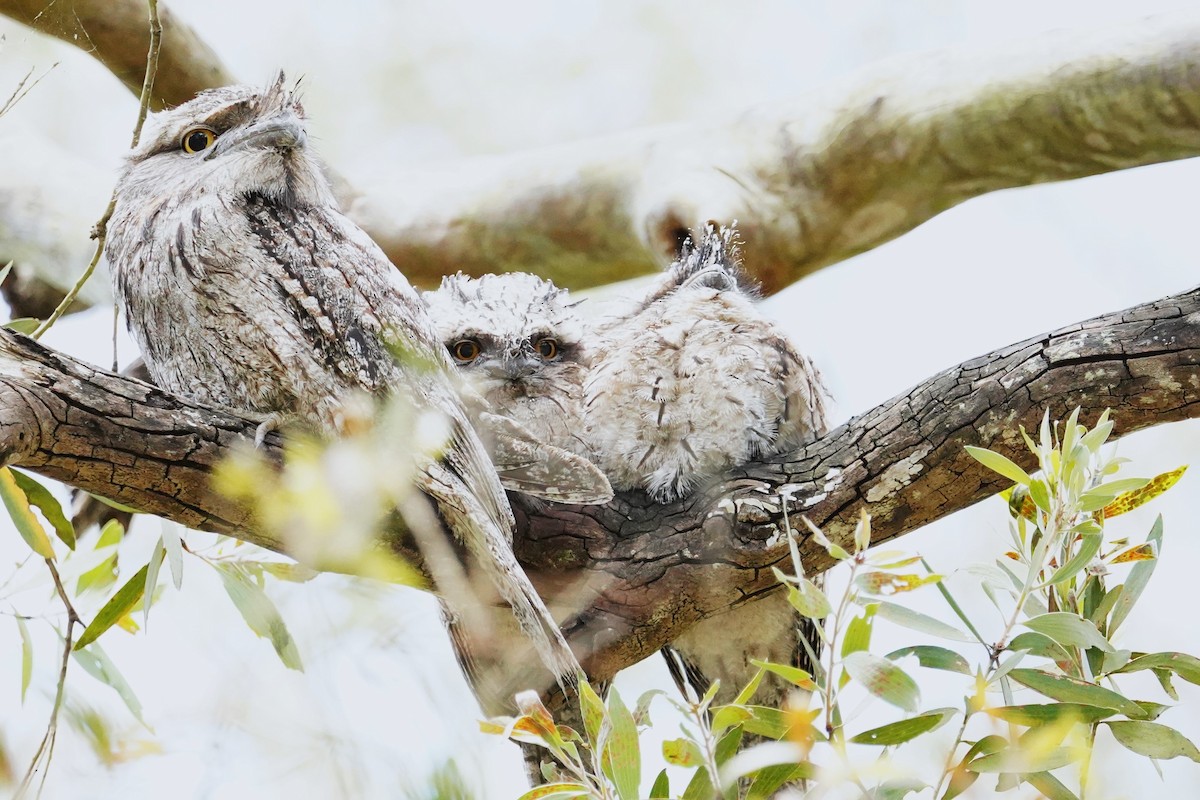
(100, 229)
(46, 747)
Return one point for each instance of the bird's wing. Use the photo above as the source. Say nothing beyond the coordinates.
(538, 469)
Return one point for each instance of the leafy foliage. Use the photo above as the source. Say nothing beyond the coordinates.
(1059, 613)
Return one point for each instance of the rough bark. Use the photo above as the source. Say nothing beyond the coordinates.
(645, 572)
(811, 181)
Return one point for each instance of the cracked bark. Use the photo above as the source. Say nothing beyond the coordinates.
(648, 571)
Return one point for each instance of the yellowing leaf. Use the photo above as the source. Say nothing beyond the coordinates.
(887, 583)
(1141, 552)
(26, 523)
(26, 657)
(682, 753)
(39, 497)
(999, 464)
(622, 757)
(1138, 497)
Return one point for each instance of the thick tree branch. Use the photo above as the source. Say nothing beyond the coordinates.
(117, 34)
(650, 571)
(811, 181)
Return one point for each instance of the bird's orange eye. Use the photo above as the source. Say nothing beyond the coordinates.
(465, 351)
(198, 139)
(547, 348)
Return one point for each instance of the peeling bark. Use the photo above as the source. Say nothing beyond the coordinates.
(648, 571)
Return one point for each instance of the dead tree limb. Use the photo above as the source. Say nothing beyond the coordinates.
(653, 570)
(811, 181)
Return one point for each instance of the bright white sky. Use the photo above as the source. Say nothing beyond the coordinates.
(397, 84)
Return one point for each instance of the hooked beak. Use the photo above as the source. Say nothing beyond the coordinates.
(514, 369)
(282, 132)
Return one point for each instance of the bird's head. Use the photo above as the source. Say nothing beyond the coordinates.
(511, 334)
(231, 142)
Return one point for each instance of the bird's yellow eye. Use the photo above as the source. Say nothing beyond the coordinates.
(198, 139)
(547, 348)
(465, 351)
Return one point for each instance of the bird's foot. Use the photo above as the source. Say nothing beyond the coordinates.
(271, 422)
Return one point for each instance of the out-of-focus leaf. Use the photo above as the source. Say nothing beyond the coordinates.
(117, 606)
(769, 722)
(915, 620)
(1183, 665)
(1139, 497)
(932, 657)
(961, 778)
(661, 790)
(1139, 576)
(1071, 690)
(97, 663)
(22, 515)
(768, 780)
(727, 717)
(682, 753)
(906, 729)
(1153, 740)
(1043, 713)
(897, 789)
(1016, 759)
(891, 559)
(156, 559)
(888, 583)
(1051, 787)
(1088, 547)
(40, 498)
(622, 758)
(883, 679)
(592, 710)
(999, 464)
(174, 546)
(793, 675)
(809, 600)
(25, 325)
(700, 787)
(99, 577)
(818, 535)
(111, 534)
(1039, 493)
(26, 657)
(858, 632)
(557, 791)
(1069, 630)
(4, 271)
(862, 532)
(260, 614)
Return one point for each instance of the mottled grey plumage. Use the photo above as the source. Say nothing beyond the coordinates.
(245, 286)
(694, 381)
(521, 344)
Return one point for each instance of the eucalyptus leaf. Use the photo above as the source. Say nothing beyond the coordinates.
(923, 623)
(1139, 576)
(26, 657)
(1069, 630)
(1073, 690)
(259, 613)
(622, 756)
(883, 679)
(999, 464)
(932, 657)
(117, 606)
(1153, 740)
(40, 498)
(24, 521)
(906, 729)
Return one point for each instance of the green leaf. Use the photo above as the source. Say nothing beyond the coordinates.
(1072, 690)
(1183, 665)
(858, 632)
(915, 620)
(1016, 759)
(39, 497)
(883, 679)
(1039, 493)
(591, 708)
(99, 577)
(661, 790)
(25, 325)
(259, 613)
(1035, 714)
(1069, 630)
(727, 746)
(961, 778)
(1050, 787)
(1153, 740)
(906, 729)
(1000, 464)
(1038, 644)
(622, 758)
(769, 779)
(932, 657)
(726, 717)
(1088, 547)
(809, 600)
(26, 657)
(766, 721)
(22, 516)
(111, 534)
(793, 675)
(700, 787)
(1139, 576)
(682, 753)
(117, 606)
(156, 559)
